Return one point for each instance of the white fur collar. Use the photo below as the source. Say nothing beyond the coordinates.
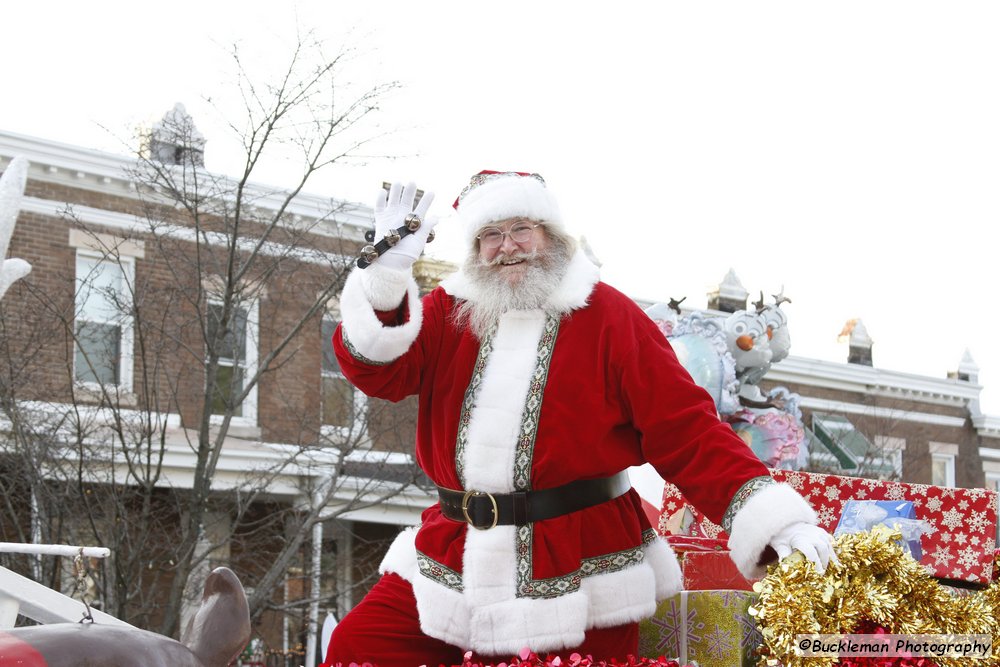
(571, 294)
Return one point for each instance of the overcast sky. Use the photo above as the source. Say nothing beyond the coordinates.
(847, 151)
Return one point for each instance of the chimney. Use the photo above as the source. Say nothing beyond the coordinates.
(859, 344)
(174, 140)
(968, 371)
(729, 296)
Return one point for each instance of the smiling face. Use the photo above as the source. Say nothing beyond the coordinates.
(512, 274)
(521, 242)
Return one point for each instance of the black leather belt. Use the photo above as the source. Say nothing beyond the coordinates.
(485, 510)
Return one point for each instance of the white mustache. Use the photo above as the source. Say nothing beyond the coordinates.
(522, 256)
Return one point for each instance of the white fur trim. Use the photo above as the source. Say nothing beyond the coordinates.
(663, 560)
(495, 420)
(443, 612)
(576, 286)
(542, 625)
(572, 292)
(401, 557)
(763, 516)
(490, 619)
(384, 287)
(506, 197)
(620, 597)
(489, 566)
(364, 330)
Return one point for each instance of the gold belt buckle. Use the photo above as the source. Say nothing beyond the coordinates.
(465, 508)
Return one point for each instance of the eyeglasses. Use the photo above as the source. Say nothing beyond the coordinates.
(492, 237)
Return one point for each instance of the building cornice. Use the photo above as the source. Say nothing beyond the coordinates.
(887, 414)
(874, 381)
(109, 174)
(284, 466)
(986, 425)
(379, 502)
(132, 224)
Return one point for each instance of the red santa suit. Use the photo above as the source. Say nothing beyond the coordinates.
(582, 388)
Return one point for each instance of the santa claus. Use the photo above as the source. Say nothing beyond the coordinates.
(538, 387)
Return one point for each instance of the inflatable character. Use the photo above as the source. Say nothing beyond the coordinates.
(12, 183)
(728, 355)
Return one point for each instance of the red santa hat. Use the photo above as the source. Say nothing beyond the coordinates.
(492, 196)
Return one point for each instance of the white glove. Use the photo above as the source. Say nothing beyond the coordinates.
(815, 543)
(390, 210)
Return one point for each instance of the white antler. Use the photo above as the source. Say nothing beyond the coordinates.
(11, 188)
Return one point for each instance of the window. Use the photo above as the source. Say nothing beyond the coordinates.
(943, 469)
(237, 361)
(851, 450)
(993, 484)
(943, 456)
(892, 448)
(993, 481)
(344, 408)
(848, 445)
(103, 326)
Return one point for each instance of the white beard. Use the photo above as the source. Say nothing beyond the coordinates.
(496, 295)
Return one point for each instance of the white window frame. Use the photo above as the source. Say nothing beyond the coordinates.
(949, 469)
(993, 481)
(992, 471)
(947, 453)
(252, 341)
(359, 421)
(892, 449)
(126, 357)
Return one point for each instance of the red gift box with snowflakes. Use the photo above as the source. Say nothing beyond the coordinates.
(963, 522)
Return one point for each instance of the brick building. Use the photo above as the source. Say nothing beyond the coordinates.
(169, 328)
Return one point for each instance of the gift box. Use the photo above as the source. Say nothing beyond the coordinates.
(863, 515)
(695, 523)
(704, 571)
(707, 628)
(962, 522)
(706, 564)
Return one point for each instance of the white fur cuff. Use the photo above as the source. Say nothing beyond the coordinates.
(762, 517)
(384, 287)
(363, 294)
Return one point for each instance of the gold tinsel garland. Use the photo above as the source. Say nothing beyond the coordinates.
(875, 582)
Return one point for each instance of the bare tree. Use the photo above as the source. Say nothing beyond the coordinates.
(222, 294)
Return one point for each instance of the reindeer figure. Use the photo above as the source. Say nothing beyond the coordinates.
(216, 636)
(11, 188)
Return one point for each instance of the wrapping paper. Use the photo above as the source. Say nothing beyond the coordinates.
(706, 564)
(963, 522)
(710, 628)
